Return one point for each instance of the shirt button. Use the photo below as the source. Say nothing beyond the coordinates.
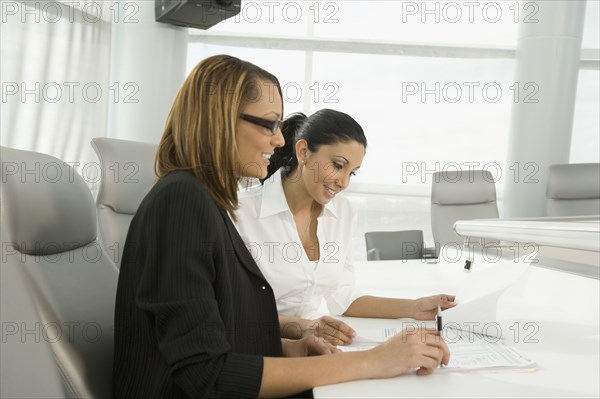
(263, 287)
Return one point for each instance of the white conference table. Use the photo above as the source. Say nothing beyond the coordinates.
(551, 317)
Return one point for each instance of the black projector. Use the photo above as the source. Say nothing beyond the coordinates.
(201, 14)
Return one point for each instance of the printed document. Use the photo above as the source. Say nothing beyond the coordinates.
(468, 351)
(470, 328)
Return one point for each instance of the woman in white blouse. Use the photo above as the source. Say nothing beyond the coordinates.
(299, 229)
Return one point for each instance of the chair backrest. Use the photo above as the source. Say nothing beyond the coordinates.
(573, 190)
(49, 233)
(461, 195)
(390, 245)
(127, 176)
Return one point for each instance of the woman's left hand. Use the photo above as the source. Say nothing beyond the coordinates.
(426, 308)
(334, 331)
(308, 346)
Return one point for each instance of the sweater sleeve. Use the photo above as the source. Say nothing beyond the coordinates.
(177, 291)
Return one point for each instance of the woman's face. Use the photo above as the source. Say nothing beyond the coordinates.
(327, 171)
(255, 141)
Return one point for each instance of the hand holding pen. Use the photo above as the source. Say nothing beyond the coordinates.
(426, 308)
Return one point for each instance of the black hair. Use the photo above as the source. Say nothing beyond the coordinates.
(324, 127)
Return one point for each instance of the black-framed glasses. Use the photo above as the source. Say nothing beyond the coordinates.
(272, 126)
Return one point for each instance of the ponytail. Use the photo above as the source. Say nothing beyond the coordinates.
(285, 157)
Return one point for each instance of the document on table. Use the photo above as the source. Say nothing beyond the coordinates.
(468, 351)
(472, 351)
(469, 329)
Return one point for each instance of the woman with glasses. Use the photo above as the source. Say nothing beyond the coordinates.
(194, 315)
(299, 229)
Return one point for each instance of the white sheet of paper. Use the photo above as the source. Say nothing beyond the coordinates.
(478, 295)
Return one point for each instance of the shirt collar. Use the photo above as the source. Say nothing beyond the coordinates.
(273, 198)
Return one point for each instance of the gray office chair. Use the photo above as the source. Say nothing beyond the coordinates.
(460, 196)
(390, 245)
(49, 233)
(127, 175)
(573, 190)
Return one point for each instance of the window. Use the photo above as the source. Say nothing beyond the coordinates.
(432, 90)
(432, 83)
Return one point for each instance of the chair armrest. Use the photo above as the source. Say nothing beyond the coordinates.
(429, 252)
(373, 254)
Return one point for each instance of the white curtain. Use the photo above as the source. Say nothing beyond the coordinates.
(55, 78)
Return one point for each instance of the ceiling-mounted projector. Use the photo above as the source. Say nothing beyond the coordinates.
(201, 14)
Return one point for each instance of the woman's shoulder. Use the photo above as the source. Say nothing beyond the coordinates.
(178, 176)
(177, 187)
(179, 179)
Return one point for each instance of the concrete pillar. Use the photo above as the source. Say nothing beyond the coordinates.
(547, 67)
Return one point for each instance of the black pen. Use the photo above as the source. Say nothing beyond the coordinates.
(438, 320)
(467, 267)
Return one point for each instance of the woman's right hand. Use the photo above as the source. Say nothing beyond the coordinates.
(416, 348)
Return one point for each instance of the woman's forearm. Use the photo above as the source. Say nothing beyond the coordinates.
(418, 349)
(287, 376)
(386, 308)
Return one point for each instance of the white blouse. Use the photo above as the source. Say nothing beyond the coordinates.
(267, 227)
